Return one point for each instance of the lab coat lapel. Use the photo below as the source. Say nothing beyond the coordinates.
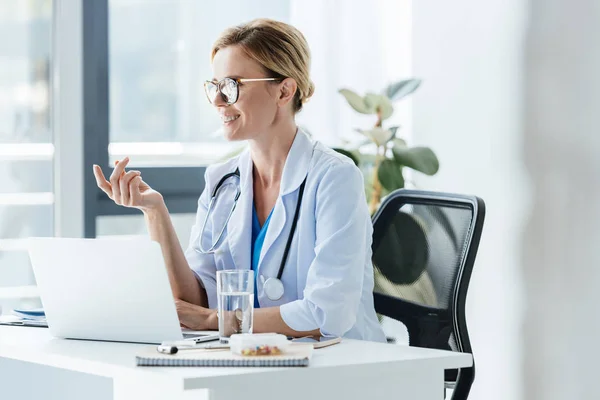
(294, 171)
(276, 225)
(239, 227)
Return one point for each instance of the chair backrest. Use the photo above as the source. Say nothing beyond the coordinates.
(424, 248)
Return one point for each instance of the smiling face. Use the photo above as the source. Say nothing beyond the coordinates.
(258, 104)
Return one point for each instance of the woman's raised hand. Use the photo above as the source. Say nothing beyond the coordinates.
(127, 188)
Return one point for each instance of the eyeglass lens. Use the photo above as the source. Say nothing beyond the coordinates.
(227, 87)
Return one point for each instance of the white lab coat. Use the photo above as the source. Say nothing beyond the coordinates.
(328, 277)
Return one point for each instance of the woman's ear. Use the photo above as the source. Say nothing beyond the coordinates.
(287, 90)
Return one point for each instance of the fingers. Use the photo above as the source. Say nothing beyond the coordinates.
(134, 190)
(101, 181)
(124, 187)
(114, 180)
(192, 316)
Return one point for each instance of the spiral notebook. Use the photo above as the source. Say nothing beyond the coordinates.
(297, 355)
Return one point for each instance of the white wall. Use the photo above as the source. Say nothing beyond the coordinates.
(561, 147)
(355, 44)
(469, 55)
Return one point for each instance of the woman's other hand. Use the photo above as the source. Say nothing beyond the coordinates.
(127, 188)
(195, 317)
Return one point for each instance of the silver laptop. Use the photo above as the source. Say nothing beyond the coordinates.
(107, 289)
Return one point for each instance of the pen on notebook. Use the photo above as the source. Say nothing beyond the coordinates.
(172, 349)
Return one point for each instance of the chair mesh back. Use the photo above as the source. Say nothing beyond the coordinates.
(419, 253)
(424, 248)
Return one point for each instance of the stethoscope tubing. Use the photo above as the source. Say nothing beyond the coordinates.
(276, 283)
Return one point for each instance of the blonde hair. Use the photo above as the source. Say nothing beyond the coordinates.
(279, 47)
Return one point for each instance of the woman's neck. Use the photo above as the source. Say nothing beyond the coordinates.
(269, 152)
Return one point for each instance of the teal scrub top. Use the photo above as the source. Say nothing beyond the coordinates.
(258, 239)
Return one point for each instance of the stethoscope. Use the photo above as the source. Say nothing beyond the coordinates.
(213, 197)
(273, 287)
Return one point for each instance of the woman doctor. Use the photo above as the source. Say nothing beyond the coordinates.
(288, 207)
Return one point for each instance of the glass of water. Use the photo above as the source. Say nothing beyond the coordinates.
(235, 302)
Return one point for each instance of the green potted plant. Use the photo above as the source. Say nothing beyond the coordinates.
(399, 264)
(384, 169)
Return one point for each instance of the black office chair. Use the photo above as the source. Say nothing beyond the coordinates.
(424, 248)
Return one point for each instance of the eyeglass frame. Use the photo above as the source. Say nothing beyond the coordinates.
(237, 83)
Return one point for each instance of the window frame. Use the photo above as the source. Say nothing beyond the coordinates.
(180, 186)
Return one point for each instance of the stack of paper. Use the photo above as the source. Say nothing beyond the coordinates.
(33, 317)
(36, 314)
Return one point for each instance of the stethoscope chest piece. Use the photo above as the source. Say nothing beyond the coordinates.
(273, 289)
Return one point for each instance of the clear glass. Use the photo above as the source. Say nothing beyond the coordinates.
(235, 302)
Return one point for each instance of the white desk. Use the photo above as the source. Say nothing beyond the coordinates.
(350, 370)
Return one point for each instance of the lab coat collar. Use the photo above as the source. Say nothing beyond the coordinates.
(297, 163)
(294, 172)
(239, 227)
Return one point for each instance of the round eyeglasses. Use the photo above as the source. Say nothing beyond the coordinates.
(228, 88)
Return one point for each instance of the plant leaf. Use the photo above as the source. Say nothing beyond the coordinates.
(398, 90)
(421, 159)
(400, 143)
(394, 129)
(387, 109)
(379, 136)
(355, 101)
(390, 175)
(379, 102)
(348, 154)
(402, 253)
(371, 101)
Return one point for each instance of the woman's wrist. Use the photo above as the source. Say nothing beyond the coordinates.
(212, 320)
(157, 210)
(156, 221)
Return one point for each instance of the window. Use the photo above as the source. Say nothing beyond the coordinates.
(159, 114)
(26, 149)
(142, 68)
